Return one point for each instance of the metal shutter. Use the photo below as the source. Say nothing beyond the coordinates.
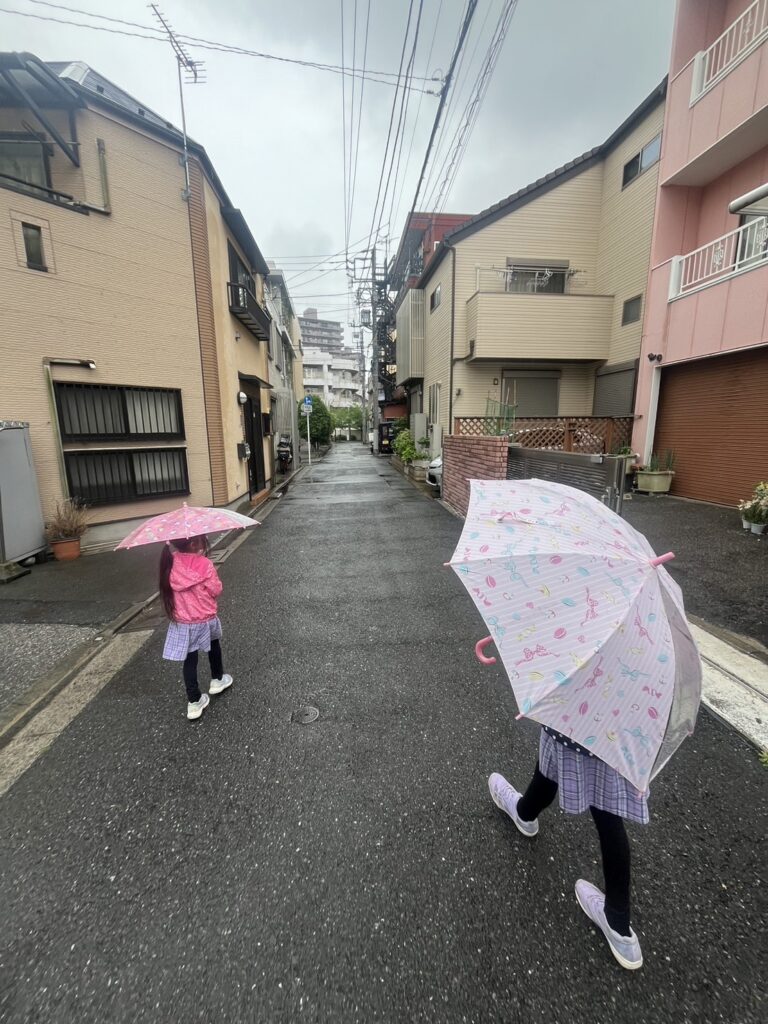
(713, 413)
(615, 391)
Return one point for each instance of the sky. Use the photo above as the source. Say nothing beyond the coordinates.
(567, 75)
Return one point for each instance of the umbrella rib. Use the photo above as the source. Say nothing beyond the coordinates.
(591, 658)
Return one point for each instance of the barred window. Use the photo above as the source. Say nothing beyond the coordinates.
(109, 477)
(434, 403)
(105, 412)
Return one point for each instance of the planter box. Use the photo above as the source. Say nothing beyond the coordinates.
(654, 481)
(398, 463)
(418, 469)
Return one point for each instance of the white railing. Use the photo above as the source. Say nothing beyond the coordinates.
(744, 35)
(530, 278)
(739, 250)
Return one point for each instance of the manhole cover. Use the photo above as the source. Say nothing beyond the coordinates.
(305, 715)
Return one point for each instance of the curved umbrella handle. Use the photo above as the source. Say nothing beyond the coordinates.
(480, 648)
(663, 558)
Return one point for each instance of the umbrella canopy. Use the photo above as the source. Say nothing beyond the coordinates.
(183, 523)
(589, 625)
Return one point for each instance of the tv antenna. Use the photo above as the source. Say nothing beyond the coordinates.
(194, 74)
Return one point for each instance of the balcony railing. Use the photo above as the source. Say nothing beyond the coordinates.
(244, 305)
(745, 34)
(742, 249)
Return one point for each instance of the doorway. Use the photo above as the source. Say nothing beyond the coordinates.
(254, 436)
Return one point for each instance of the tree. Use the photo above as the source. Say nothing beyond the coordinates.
(321, 425)
(347, 416)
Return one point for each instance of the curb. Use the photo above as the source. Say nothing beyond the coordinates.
(19, 713)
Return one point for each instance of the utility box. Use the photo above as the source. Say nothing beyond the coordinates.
(22, 533)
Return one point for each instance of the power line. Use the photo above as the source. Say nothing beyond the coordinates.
(416, 118)
(474, 105)
(391, 122)
(471, 7)
(359, 116)
(380, 76)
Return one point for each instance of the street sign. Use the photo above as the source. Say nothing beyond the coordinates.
(306, 410)
(308, 401)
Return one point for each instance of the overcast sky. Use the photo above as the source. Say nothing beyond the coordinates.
(568, 74)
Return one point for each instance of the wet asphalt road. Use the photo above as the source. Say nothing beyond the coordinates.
(249, 868)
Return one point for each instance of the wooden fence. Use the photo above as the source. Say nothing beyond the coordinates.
(593, 435)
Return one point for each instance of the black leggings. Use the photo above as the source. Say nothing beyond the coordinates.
(614, 847)
(189, 670)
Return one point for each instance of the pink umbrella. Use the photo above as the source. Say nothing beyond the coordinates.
(589, 625)
(185, 522)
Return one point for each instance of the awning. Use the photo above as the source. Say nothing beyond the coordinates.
(255, 380)
(236, 223)
(27, 82)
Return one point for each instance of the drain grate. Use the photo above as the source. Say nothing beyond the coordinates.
(305, 715)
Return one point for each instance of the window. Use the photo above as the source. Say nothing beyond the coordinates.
(33, 246)
(238, 272)
(535, 278)
(630, 313)
(434, 299)
(433, 394)
(532, 392)
(23, 161)
(107, 477)
(646, 158)
(103, 412)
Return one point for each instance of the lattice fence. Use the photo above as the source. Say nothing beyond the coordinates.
(592, 435)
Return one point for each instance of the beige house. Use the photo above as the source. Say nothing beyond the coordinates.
(537, 302)
(134, 332)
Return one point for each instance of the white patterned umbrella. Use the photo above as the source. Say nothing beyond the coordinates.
(590, 626)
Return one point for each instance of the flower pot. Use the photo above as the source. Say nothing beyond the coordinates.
(654, 481)
(745, 524)
(758, 527)
(66, 550)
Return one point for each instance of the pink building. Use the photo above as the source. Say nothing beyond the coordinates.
(703, 380)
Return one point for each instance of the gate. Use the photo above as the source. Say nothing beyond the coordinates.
(602, 476)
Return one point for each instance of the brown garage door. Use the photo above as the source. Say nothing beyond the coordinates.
(713, 414)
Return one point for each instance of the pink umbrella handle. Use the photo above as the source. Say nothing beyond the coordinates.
(480, 648)
(663, 558)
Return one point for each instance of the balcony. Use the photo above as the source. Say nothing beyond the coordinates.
(717, 106)
(513, 325)
(739, 251)
(244, 305)
(746, 33)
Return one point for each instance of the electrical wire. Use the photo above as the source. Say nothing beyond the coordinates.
(391, 122)
(382, 77)
(359, 117)
(472, 111)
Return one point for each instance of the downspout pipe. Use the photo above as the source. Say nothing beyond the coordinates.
(453, 338)
(48, 362)
(761, 192)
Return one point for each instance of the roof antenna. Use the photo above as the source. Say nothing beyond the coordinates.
(194, 73)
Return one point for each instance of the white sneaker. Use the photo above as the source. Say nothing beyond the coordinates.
(197, 707)
(626, 948)
(218, 685)
(506, 797)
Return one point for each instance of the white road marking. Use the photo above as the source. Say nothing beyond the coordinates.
(35, 738)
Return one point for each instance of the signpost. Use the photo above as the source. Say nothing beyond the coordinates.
(307, 411)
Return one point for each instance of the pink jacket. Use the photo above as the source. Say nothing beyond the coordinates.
(196, 585)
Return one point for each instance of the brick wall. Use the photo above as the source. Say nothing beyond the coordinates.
(471, 458)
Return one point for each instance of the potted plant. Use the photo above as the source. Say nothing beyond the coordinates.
(745, 509)
(655, 480)
(420, 462)
(65, 528)
(754, 511)
(626, 453)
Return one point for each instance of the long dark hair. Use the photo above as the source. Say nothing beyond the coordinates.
(166, 564)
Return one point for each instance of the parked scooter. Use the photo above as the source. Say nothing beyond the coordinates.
(284, 453)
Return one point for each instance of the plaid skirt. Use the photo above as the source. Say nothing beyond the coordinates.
(584, 782)
(184, 637)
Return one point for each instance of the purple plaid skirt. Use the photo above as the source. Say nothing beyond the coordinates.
(183, 637)
(584, 782)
